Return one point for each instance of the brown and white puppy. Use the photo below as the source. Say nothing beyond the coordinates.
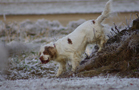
(71, 47)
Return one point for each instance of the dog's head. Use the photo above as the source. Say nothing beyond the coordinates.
(47, 53)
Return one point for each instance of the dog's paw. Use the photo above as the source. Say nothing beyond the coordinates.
(67, 74)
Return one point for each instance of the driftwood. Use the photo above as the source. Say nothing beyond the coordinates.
(119, 57)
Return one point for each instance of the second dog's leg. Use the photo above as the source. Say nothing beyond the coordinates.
(102, 42)
(75, 63)
(62, 68)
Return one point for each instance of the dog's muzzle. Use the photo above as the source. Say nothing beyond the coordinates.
(44, 61)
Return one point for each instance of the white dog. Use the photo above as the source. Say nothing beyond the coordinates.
(71, 47)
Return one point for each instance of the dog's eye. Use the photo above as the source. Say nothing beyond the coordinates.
(45, 53)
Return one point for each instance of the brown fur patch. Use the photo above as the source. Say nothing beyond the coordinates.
(93, 21)
(50, 51)
(41, 58)
(69, 41)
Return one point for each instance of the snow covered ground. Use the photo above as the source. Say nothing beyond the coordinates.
(64, 6)
(94, 83)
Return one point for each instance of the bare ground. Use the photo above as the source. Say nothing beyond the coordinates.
(64, 19)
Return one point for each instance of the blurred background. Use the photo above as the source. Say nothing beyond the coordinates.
(62, 10)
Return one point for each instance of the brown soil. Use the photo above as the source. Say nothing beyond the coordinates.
(64, 19)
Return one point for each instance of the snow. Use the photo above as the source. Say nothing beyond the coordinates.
(94, 83)
(64, 6)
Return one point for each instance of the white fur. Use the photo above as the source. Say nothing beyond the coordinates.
(86, 33)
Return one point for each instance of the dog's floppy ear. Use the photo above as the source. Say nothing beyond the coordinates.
(51, 51)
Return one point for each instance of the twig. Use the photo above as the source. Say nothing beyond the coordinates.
(111, 33)
(113, 30)
(4, 17)
(137, 15)
(130, 19)
(109, 36)
(116, 28)
(127, 23)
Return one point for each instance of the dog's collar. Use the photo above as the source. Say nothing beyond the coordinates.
(54, 45)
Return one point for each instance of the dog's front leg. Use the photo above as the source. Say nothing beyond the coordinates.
(62, 68)
(75, 63)
(102, 42)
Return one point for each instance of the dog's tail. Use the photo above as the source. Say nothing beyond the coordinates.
(105, 13)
